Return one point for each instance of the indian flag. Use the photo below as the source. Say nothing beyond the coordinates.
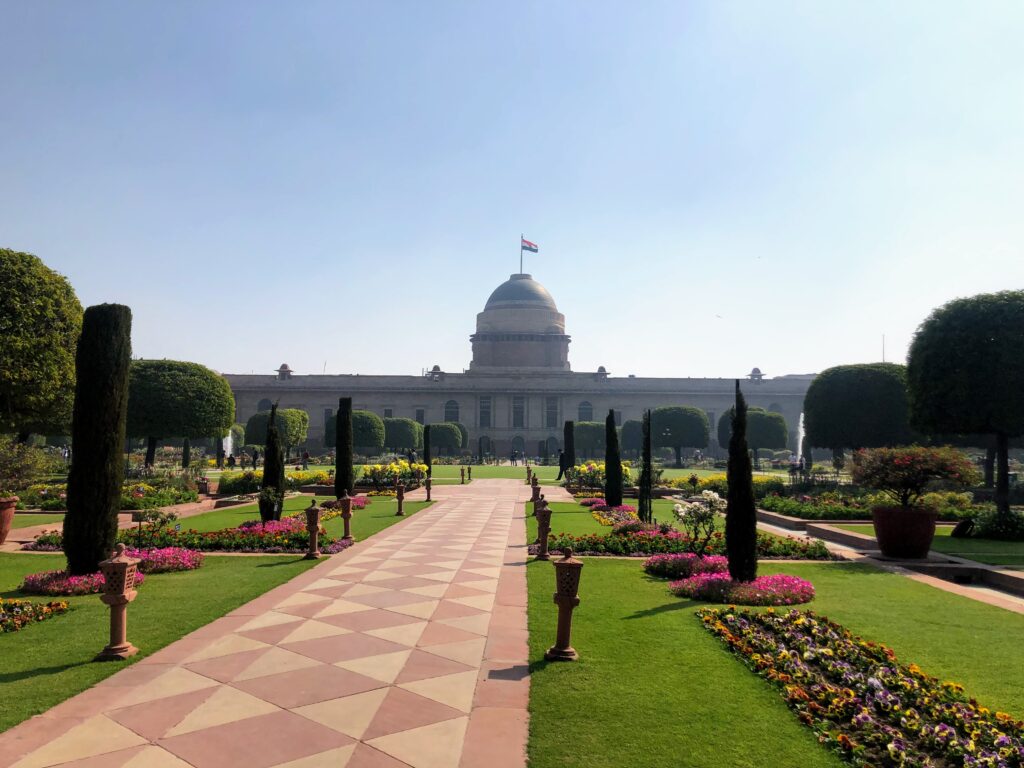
(528, 246)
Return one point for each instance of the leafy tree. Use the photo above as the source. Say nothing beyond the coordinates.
(40, 321)
(292, 427)
(367, 431)
(445, 437)
(344, 470)
(97, 433)
(965, 371)
(631, 436)
(172, 398)
(569, 440)
(765, 430)
(612, 463)
(679, 427)
(272, 498)
(589, 437)
(402, 434)
(858, 406)
(463, 434)
(741, 512)
(645, 508)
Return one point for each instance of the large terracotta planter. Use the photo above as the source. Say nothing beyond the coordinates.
(904, 534)
(7, 505)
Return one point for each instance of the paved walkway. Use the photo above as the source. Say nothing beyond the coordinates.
(407, 650)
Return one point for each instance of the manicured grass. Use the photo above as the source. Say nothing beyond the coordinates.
(29, 519)
(653, 688)
(49, 662)
(577, 520)
(982, 550)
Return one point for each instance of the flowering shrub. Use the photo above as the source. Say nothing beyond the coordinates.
(591, 474)
(17, 614)
(386, 494)
(699, 517)
(776, 589)
(763, 485)
(605, 515)
(379, 475)
(583, 496)
(134, 495)
(860, 700)
(681, 565)
(332, 509)
(166, 559)
(655, 542)
(590, 501)
(250, 481)
(60, 583)
(903, 473)
(834, 505)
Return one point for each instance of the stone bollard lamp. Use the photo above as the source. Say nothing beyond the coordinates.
(469, 474)
(313, 526)
(118, 590)
(567, 584)
(427, 484)
(543, 513)
(346, 514)
(529, 476)
(534, 490)
(462, 475)
(400, 497)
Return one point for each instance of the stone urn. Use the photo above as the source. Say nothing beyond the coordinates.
(7, 505)
(904, 533)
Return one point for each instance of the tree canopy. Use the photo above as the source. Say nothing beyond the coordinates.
(292, 426)
(678, 427)
(40, 321)
(367, 431)
(463, 432)
(445, 437)
(172, 398)
(631, 436)
(588, 437)
(858, 406)
(765, 429)
(402, 434)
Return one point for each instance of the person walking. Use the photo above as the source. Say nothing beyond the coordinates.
(231, 461)
(562, 465)
(255, 459)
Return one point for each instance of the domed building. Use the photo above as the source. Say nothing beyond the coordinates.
(519, 388)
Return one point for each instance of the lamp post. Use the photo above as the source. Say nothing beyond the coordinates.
(534, 490)
(567, 583)
(118, 590)
(543, 513)
(400, 497)
(469, 474)
(313, 526)
(428, 483)
(346, 514)
(529, 475)
(462, 475)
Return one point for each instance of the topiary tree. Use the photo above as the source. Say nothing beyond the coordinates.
(402, 434)
(679, 427)
(367, 432)
(445, 437)
(463, 434)
(631, 436)
(589, 437)
(426, 450)
(766, 430)
(97, 433)
(186, 453)
(40, 321)
(965, 371)
(741, 512)
(344, 470)
(645, 507)
(273, 485)
(858, 406)
(612, 463)
(569, 440)
(292, 427)
(173, 398)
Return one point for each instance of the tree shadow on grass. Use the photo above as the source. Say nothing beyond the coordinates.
(675, 605)
(280, 561)
(27, 674)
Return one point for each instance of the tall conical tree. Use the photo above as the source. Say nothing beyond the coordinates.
(186, 453)
(97, 436)
(645, 509)
(344, 471)
(569, 438)
(741, 513)
(426, 449)
(612, 463)
(273, 466)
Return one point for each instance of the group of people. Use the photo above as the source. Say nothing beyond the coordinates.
(255, 459)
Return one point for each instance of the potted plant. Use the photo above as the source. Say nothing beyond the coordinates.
(19, 464)
(906, 528)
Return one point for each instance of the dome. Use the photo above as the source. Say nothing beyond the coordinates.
(520, 291)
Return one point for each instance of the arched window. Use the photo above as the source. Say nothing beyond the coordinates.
(586, 412)
(451, 411)
(264, 405)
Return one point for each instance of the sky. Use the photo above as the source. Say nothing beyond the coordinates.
(713, 185)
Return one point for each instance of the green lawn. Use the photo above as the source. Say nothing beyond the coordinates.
(653, 688)
(28, 519)
(46, 663)
(982, 550)
(577, 520)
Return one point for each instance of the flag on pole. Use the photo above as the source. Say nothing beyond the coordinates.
(528, 246)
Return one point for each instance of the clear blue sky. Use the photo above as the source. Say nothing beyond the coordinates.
(714, 185)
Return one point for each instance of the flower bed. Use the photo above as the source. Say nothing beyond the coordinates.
(60, 583)
(844, 506)
(332, 509)
(763, 485)
(250, 481)
(683, 564)
(644, 543)
(18, 614)
(860, 700)
(166, 559)
(606, 515)
(775, 589)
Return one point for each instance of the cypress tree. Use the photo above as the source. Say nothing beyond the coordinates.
(344, 471)
(569, 438)
(645, 509)
(186, 453)
(426, 448)
(97, 436)
(150, 451)
(740, 516)
(612, 463)
(273, 469)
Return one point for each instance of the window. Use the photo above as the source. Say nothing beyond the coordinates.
(264, 405)
(586, 412)
(421, 416)
(551, 412)
(518, 412)
(387, 413)
(451, 411)
(485, 411)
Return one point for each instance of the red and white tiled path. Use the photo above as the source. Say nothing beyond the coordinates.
(409, 649)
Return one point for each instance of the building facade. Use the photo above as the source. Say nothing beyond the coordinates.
(519, 388)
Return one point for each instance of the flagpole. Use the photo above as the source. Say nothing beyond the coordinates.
(520, 253)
